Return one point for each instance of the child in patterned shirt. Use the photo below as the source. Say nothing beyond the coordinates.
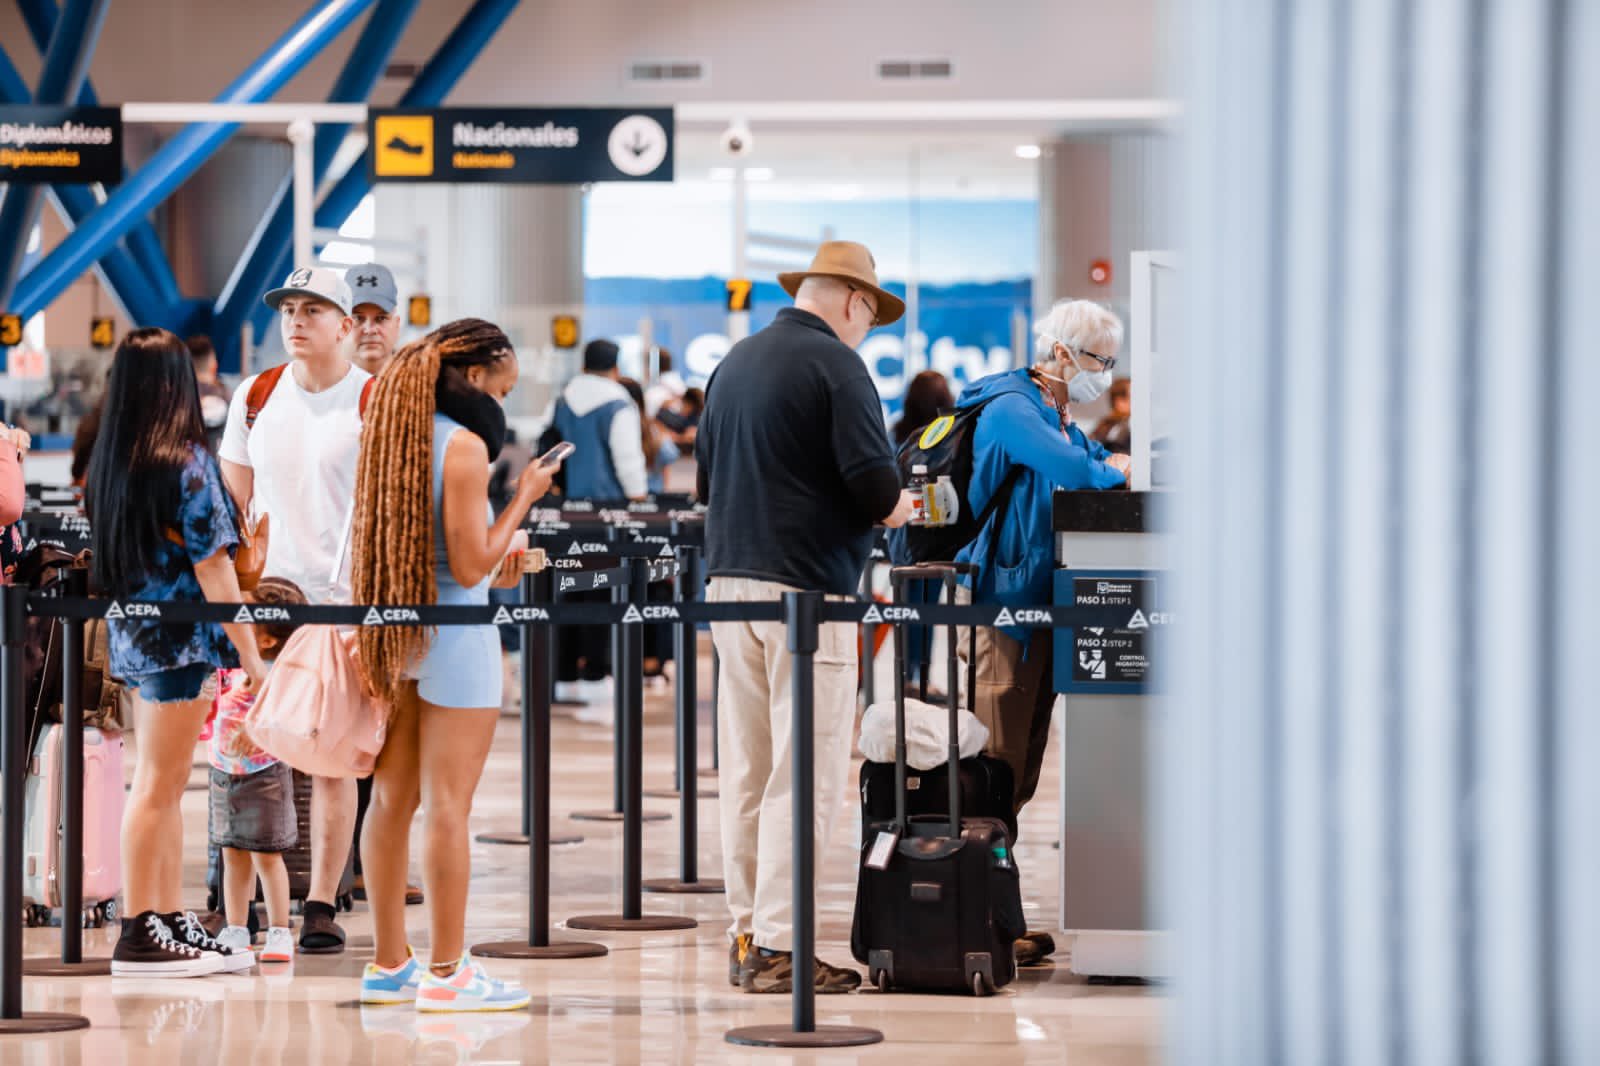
(252, 798)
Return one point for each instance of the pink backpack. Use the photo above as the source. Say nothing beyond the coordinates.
(313, 712)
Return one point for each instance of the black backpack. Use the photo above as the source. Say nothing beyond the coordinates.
(944, 446)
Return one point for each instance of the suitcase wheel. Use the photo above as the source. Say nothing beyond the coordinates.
(980, 973)
(880, 980)
(108, 911)
(346, 902)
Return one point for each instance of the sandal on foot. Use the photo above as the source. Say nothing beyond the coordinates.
(319, 933)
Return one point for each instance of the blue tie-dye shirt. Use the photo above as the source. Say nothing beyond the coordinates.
(144, 646)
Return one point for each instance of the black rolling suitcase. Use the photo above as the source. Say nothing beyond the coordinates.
(988, 787)
(938, 903)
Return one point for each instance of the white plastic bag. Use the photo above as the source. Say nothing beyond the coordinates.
(927, 729)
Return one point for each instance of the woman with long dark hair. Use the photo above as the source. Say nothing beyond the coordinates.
(425, 533)
(926, 396)
(164, 529)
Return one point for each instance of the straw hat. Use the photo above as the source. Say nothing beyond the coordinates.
(853, 264)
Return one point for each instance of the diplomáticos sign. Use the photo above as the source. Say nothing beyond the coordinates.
(60, 145)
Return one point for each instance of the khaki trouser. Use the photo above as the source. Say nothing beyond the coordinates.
(754, 709)
(1015, 697)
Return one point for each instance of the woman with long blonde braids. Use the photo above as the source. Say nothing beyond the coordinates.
(424, 533)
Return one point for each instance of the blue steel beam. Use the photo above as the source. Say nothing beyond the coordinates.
(66, 64)
(182, 155)
(119, 271)
(41, 16)
(433, 83)
(274, 235)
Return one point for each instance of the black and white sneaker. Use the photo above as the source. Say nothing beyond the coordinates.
(187, 927)
(147, 948)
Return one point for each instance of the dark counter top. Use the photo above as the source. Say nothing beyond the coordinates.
(1111, 511)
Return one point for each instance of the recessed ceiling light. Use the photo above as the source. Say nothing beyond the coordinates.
(721, 174)
(759, 174)
(1028, 151)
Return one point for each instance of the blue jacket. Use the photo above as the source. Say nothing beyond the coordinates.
(599, 417)
(1019, 428)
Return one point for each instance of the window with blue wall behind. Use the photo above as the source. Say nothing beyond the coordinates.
(668, 261)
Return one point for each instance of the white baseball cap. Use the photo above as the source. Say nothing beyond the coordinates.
(319, 282)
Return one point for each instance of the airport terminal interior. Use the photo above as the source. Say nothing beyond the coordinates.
(477, 477)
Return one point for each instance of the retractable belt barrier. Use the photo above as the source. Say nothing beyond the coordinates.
(627, 559)
(846, 611)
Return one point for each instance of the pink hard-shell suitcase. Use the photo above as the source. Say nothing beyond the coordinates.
(103, 800)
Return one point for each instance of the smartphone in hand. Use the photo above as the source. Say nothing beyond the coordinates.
(557, 455)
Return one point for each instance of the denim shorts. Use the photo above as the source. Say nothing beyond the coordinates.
(254, 812)
(182, 685)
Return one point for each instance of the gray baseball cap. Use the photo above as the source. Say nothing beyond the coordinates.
(371, 283)
(320, 282)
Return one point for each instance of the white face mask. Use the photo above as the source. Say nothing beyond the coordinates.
(1085, 386)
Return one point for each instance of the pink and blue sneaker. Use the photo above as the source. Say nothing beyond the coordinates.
(381, 987)
(469, 989)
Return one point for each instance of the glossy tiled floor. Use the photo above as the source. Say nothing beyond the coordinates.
(654, 998)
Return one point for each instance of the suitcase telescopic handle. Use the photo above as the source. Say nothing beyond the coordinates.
(953, 703)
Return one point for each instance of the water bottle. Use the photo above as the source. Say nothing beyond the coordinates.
(918, 486)
(944, 506)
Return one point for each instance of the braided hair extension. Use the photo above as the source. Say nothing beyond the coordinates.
(392, 536)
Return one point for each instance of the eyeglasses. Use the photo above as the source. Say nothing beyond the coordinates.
(871, 310)
(1100, 360)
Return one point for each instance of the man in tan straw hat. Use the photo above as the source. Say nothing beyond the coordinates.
(796, 469)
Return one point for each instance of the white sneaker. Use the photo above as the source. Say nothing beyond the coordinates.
(468, 990)
(236, 937)
(186, 928)
(567, 692)
(279, 946)
(596, 714)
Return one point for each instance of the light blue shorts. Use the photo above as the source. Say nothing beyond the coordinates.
(461, 668)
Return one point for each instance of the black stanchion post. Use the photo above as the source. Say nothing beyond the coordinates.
(630, 733)
(13, 765)
(869, 640)
(538, 670)
(620, 595)
(69, 864)
(686, 648)
(803, 616)
(618, 702)
(538, 667)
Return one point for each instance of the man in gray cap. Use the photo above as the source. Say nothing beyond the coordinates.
(376, 314)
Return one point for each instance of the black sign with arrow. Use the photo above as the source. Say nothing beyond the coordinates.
(538, 146)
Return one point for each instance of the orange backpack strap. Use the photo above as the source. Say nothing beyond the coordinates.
(260, 390)
(366, 394)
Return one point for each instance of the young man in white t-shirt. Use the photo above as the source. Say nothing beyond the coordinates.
(289, 452)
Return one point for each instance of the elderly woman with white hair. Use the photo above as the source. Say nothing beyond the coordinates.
(1024, 447)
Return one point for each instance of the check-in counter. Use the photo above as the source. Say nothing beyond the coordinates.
(1108, 555)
